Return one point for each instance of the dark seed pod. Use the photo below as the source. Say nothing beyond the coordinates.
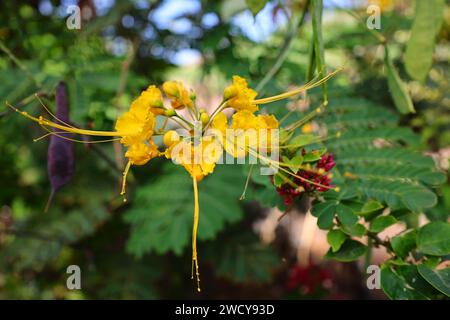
(61, 157)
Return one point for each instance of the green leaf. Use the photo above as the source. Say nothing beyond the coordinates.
(326, 217)
(350, 250)
(404, 244)
(440, 279)
(336, 238)
(311, 156)
(295, 162)
(302, 140)
(380, 223)
(278, 180)
(162, 214)
(255, 5)
(356, 230)
(346, 215)
(370, 208)
(319, 208)
(434, 238)
(403, 282)
(397, 88)
(419, 49)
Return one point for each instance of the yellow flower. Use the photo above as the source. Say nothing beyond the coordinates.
(269, 120)
(152, 97)
(240, 96)
(140, 153)
(198, 160)
(220, 122)
(246, 121)
(307, 128)
(178, 94)
(136, 125)
(170, 137)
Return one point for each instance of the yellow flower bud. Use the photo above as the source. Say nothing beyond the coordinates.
(204, 118)
(169, 112)
(192, 95)
(170, 137)
(171, 89)
(229, 92)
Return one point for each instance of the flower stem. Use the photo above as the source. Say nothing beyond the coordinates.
(194, 235)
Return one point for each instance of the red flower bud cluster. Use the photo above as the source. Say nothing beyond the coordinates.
(321, 181)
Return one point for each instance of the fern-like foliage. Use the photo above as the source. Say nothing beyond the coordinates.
(168, 228)
(34, 249)
(375, 156)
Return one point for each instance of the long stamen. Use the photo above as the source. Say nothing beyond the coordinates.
(194, 235)
(58, 134)
(45, 122)
(247, 181)
(305, 119)
(52, 114)
(272, 162)
(296, 91)
(124, 180)
(47, 134)
(319, 139)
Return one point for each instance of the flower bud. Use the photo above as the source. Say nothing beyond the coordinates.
(170, 137)
(229, 92)
(171, 89)
(157, 104)
(192, 95)
(204, 118)
(169, 112)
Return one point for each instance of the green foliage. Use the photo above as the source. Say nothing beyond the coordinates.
(336, 238)
(380, 223)
(349, 251)
(34, 249)
(397, 88)
(440, 279)
(405, 283)
(404, 244)
(255, 5)
(378, 169)
(372, 161)
(419, 49)
(168, 226)
(434, 238)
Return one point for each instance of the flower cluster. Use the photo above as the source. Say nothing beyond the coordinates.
(200, 149)
(316, 178)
